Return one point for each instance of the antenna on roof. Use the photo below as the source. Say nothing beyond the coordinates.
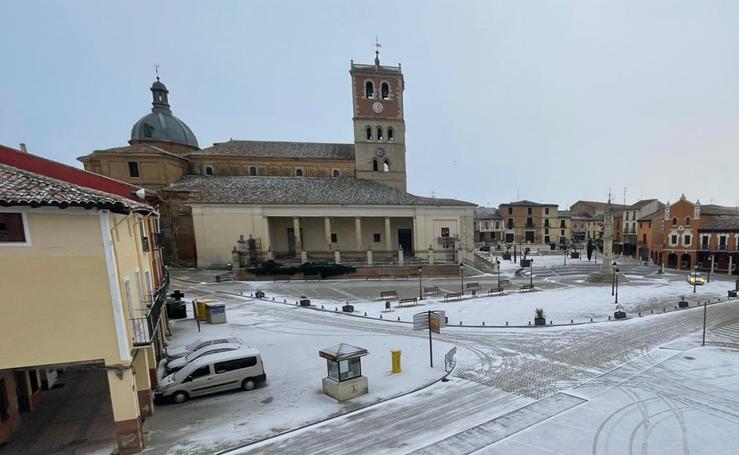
(156, 70)
(377, 51)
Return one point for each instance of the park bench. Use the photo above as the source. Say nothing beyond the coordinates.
(226, 277)
(315, 277)
(431, 290)
(411, 300)
(388, 294)
(492, 291)
(452, 295)
(473, 288)
(527, 287)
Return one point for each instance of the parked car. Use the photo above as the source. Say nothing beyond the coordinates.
(209, 349)
(696, 278)
(199, 344)
(239, 368)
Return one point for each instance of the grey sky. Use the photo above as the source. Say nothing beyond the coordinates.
(548, 101)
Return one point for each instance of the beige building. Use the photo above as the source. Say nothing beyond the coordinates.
(297, 201)
(81, 279)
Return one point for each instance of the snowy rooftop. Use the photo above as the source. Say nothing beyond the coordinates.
(342, 351)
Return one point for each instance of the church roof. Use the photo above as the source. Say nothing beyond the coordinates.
(300, 191)
(138, 147)
(161, 124)
(19, 187)
(276, 149)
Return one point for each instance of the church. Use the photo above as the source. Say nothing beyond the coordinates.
(292, 201)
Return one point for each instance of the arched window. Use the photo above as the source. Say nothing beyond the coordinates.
(386, 166)
(298, 172)
(369, 133)
(385, 90)
(369, 89)
(335, 173)
(687, 221)
(674, 221)
(253, 170)
(390, 135)
(148, 130)
(379, 133)
(374, 165)
(209, 170)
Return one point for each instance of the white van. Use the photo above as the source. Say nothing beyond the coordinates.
(199, 344)
(240, 368)
(178, 363)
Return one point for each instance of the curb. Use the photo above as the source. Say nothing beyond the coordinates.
(328, 419)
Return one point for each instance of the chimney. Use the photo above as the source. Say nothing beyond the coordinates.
(23, 147)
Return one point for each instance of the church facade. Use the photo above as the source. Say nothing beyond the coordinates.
(293, 201)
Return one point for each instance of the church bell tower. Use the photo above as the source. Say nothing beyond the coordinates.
(379, 128)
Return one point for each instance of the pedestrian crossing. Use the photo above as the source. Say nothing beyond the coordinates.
(729, 330)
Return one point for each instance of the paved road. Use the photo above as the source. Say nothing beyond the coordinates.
(526, 363)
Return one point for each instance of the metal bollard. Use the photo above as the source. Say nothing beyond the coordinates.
(506, 323)
(609, 318)
(321, 306)
(460, 322)
(398, 318)
(380, 316)
(651, 311)
(572, 321)
(591, 319)
(640, 314)
(483, 322)
(529, 322)
(336, 308)
(365, 313)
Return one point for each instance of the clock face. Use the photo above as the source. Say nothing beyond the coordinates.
(377, 107)
(380, 153)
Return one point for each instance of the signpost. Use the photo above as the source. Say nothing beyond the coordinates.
(433, 321)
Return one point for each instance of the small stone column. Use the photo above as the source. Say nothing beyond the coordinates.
(388, 235)
(303, 257)
(459, 255)
(126, 414)
(431, 255)
(296, 230)
(269, 255)
(369, 257)
(731, 258)
(235, 258)
(401, 259)
(337, 257)
(358, 232)
(327, 231)
(143, 383)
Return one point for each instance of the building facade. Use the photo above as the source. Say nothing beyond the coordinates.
(100, 305)
(489, 226)
(297, 201)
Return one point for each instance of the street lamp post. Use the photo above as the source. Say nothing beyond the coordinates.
(497, 265)
(616, 272)
(709, 270)
(695, 277)
(461, 278)
(420, 289)
(613, 279)
(531, 273)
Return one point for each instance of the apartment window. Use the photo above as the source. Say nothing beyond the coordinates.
(376, 237)
(385, 90)
(369, 89)
(298, 172)
(562, 232)
(546, 231)
(529, 237)
(133, 169)
(334, 237)
(390, 135)
(510, 210)
(673, 239)
(562, 223)
(546, 239)
(487, 225)
(209, 170)
(687, 221)
(510, 223)
(11, 228)
(686, 240)
(497, 225)
(529, 222)
(253, 170)
(529, 211)
(445, 232)
(674, 221)
(546, 212)
(546, 222)
(722, 242)
(335, 173)
(704, 242)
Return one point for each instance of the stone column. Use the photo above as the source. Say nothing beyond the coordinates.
(337, 257)
(303, 256)
(431, 255)
(358, 232)
(125, 403)
(298, 239)
(369, 257)
(388, 235)
(731, 258)
(266, 239)
(143, 382)
(152, 361)
(327, 229)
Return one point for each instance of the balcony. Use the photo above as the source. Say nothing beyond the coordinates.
(143, 329)
(145, 244)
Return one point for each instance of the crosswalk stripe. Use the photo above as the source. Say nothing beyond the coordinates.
(731, 330)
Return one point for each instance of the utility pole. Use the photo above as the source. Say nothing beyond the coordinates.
(705, 306)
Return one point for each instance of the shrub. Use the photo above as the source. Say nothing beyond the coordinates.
(539, 313)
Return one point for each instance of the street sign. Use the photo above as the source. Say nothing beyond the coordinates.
(432, 321)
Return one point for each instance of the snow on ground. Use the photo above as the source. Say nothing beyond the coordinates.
(292, 396)
(576, 303)
(688, 403)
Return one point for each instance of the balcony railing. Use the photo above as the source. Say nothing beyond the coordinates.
(145, 244)
(143, 329)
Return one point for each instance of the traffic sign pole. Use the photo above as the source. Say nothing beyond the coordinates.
(431, 349)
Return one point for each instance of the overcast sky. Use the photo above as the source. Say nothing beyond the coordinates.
(549, 101)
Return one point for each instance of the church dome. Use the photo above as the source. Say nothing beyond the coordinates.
(160, 124)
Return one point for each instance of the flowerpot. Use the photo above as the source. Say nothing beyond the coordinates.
(259, 294)
(540, 321)
(304, 302)
(347, 308)
(682, 304)
(619, 315)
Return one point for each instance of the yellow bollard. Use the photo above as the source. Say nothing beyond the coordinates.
(202, 314)
(396, 361)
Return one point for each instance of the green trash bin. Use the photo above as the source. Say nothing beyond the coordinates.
(216, 313)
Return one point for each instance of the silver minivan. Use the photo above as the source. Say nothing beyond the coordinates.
(239, 368)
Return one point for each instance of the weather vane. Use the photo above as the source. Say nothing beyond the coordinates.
(156, 70)
(377, 50)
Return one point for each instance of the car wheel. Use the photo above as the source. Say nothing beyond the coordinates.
(180, 397)
(248, 384)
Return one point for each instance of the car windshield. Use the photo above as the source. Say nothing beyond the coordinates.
(696, 275)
